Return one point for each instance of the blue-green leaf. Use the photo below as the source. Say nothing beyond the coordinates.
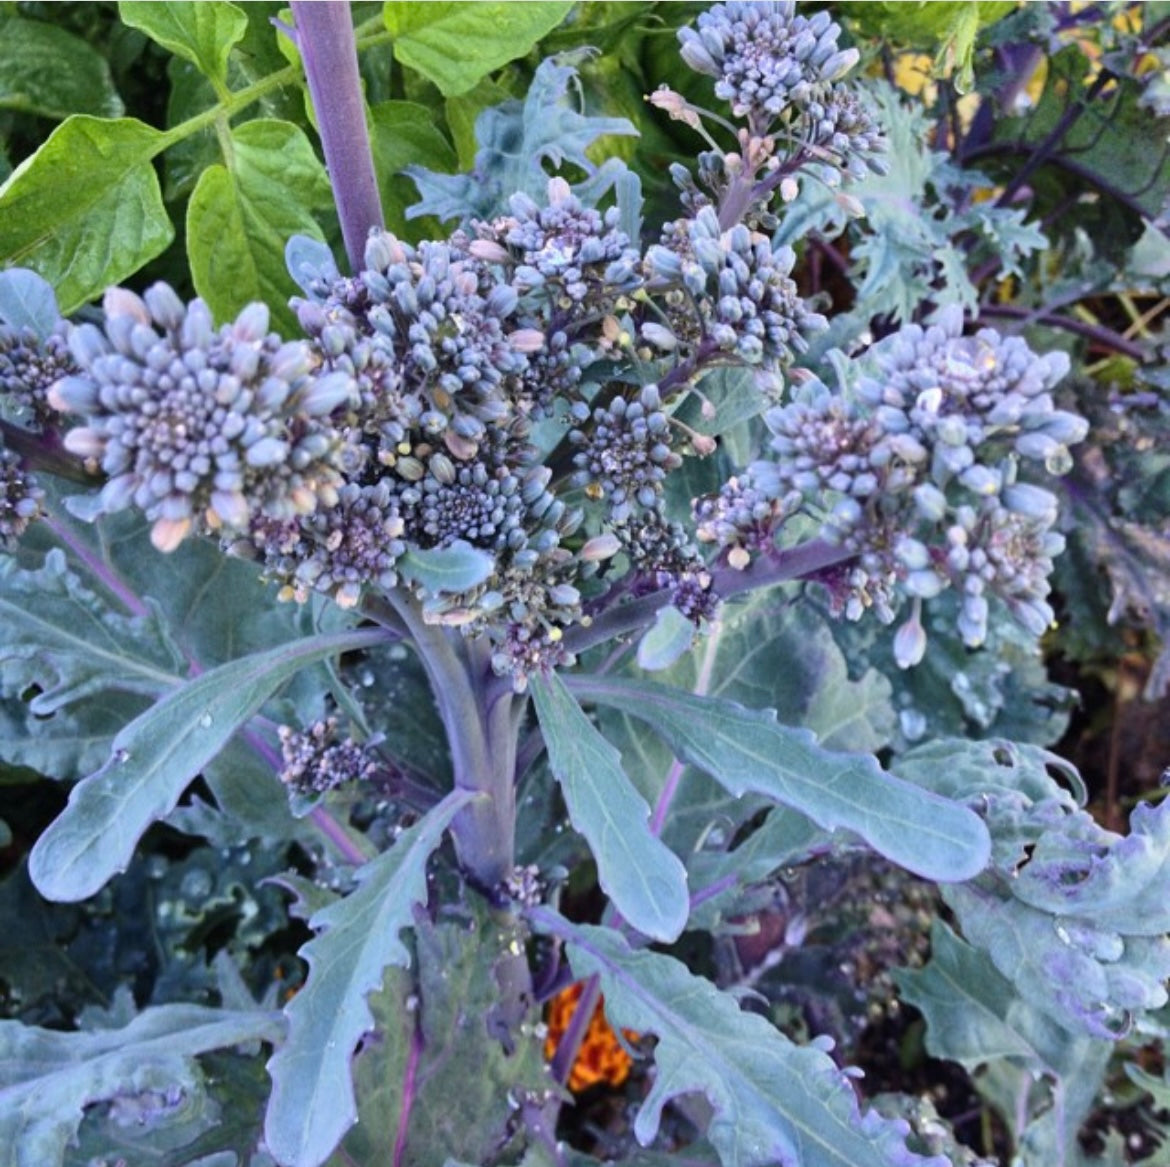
(519, 143)
(312, 1104)
(404, 133)
(749, 751)
(48, 1078)
(156, 756)
(1069, 912)
(641, 875)
(448, 570)
(28, 301)
(773, 1101)
(973, 1014)
(62, 639)
(671, 635)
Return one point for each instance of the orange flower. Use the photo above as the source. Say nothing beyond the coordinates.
(601, 1058)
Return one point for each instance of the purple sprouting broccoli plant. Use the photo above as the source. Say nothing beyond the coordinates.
(558, 484)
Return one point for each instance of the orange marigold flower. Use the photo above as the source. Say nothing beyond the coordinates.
(602, 1057)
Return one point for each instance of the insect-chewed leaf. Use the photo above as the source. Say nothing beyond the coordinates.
(47, 1078)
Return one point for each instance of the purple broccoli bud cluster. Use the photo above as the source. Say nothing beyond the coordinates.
(20, 499)
(764, 57)
(200, 428)
(920, 472)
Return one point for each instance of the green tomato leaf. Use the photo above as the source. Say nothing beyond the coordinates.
(47, 71)
(85, 210)
(241, 216)
(27, 301)
(772, 1101)
(748, 751)
(49, 1078)
(202, 31)
(155, 757)
(403, 133)
(455, 44)
(312, 1104)
(641, 875)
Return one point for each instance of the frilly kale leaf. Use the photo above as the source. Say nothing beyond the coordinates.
(907, 252)
(313, 1102)
(1117, 571)
(518, 139)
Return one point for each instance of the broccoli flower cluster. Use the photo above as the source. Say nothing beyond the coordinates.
(198, 427)
(764, 57)
(401, 424)
(923, 472)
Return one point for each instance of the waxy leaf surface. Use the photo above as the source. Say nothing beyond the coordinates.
(748, 751)
(155, 757)
(242, 215)
(85, 210)
(774, 1102)
(48, 1078)
(641, 875)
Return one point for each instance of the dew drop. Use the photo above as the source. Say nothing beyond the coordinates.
(913, 723)
(205, 721)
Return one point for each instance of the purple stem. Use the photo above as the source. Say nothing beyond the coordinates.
(766, 568)
(662, 807)
(101, 570)
(711, 891)
(326, 43)
(574, 1035)
(1096, 333)
(409, 1090)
